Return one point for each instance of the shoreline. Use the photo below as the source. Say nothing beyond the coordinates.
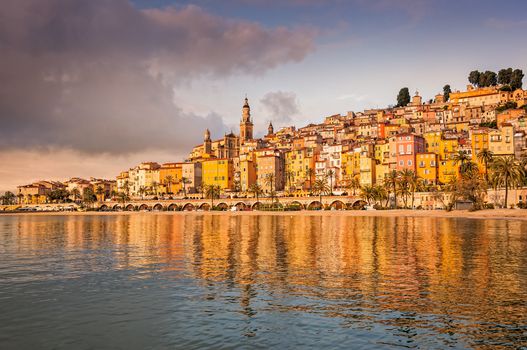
(507, 214)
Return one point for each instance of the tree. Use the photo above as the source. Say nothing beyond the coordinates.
(309, 176)
(270, 181)
(380, 194)
(212, 192)
(473, 77)
(488, 78)
(516, 79)
(256, 190)
(76, 194)
(354, 185)
(331, 174)
(8, 198)
(461, 157)
(367, 192)
(88, 196)
(320, 187)
(185, 182)
(485, 156)
(405, 179)
(504, 76)
(155, 186)
(507, 171)
(169, 179)
(142, 191)
(470, 187)
(99, 191)
(123, 198)
(403, 98)
(446, 92)
(392, 178)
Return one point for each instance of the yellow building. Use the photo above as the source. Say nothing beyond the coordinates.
(297, 165)
(247, 171)
(479, 140)
(367, 171)
(270, 164)
(170, 175)
(218, 172)
(427, 167)
(476, 97)
(350, 165)
(501, 142)
(447, 170)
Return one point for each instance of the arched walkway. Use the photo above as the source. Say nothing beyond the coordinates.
(256, 205)
(338, 205)
(144, 207)
(204, 207)
(188, 207)
(358, 205)
(117, 207)
(240, 206)
(130, 207)
(158, 207)
(315, 205)
(173, 207)
(222, 206)
(296, 204)
(104, 207)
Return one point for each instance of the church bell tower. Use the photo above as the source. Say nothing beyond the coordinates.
(246, 125)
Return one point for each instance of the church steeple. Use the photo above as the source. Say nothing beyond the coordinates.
(246, 125)
(207, 143)
(270, 129)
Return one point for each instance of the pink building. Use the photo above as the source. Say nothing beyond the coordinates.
(407, 146)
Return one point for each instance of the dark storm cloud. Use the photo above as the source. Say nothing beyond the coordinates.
(98, 75)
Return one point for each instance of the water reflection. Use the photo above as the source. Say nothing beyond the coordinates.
(298, 280)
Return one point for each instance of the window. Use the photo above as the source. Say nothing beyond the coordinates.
(409, 163)
(401, 162)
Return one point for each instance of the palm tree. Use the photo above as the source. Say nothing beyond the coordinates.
(185, 181)
(309, 175)
(469, 169)
(380, 194)
(461, 157)
(99, 191)
(393, 178)
(485, 156)
(320, 187)
(20, 198)
(155, 186)
(508, 172)
(142, 191)
(269, 180)
(367, 192)
(123, 198)
(201, 189)
(169, 179)
(405, 184)
(354, 185)
(331, 174)
(257, 190)
(126, 186)
(212, 192)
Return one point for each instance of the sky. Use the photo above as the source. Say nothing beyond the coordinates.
(93, 87)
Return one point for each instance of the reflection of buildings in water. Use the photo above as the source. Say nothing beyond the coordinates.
(422, 265)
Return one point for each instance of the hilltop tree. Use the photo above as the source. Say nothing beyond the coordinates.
(504, 76)
(516, 79)
(403, 98)
(488, 78)
(446, 92)
(473, 77)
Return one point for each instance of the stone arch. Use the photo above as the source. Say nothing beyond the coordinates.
(173, 207)
(117, 207)
(337, 205)
(358, 204)
(222, 206)
(144, 207)
(240, 206)
(188, 207)
(297, 204)
(204, 206)
(104, 207)
(315, 205)
(130, 207)
(158, 207)
(255, 205)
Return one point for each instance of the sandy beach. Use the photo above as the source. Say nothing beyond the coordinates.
(516, 214)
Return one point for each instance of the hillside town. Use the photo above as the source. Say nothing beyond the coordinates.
(465, 146)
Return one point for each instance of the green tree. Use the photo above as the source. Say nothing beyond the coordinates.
(473, 77)
(88, 197)
(485, 156)
(367, 192)
(123, 197)
(354, 185)
(142, 191)
(185, 181)
(488, 78)
(76, 194)
(504, 76)
(331, 174)
(446, 92)
(320, 187)
(100, 192)
(169, 180)
(309, 177)
(516, 79)
(403, 98)
(8, 198)
(256, 190)
(461, 157)
(392, 178)
(270, 181)
(212, 192)
(508, 172)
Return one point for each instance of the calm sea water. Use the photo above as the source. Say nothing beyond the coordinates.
(148, 281)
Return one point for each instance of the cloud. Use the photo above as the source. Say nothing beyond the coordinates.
(98, 75)
(281, 105)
